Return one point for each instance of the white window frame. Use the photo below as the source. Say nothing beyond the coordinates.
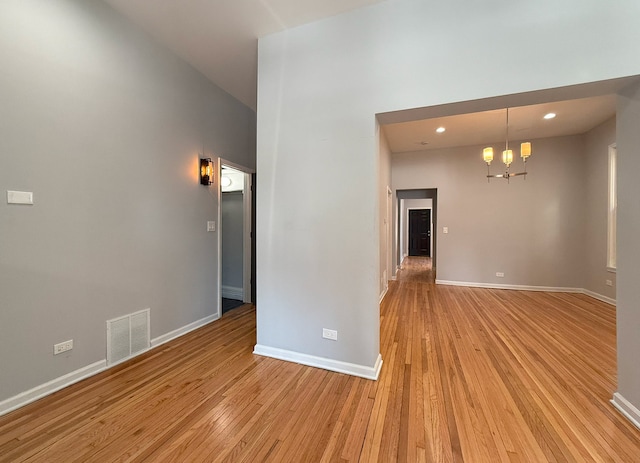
(612, 208)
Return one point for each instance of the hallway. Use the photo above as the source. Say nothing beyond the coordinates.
(417, 269)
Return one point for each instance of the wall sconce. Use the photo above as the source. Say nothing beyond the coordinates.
(206, 171)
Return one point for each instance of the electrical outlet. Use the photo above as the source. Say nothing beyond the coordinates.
(19, 197)
(609, 283)
(62, 347)
(330, 334)
(500, 274)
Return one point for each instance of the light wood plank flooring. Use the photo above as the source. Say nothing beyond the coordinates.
(469, 374)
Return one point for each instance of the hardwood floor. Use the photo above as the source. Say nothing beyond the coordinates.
(470, 375)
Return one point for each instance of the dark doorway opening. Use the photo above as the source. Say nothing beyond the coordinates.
(420, 232)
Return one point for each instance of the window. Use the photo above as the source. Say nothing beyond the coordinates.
(613, 208)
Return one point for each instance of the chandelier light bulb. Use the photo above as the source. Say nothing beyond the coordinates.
(487, 155)
(525, 150)
(507, 157)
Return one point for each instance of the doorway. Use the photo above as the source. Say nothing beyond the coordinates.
(420, 232)
(415, 199)
(235, 237)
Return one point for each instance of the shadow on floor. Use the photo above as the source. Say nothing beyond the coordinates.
(230, 304)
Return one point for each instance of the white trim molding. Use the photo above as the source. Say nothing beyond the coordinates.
(321, 362)
(384, 293)
(245, 293)
(171, 335)
(626, 408)
(547, 289)
(43, 390)
(599, 297)
(247, 212)
(233, 292)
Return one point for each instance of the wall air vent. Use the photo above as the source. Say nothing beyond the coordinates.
(128, 336)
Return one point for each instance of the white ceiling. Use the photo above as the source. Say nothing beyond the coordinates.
(219, 37)
(525, 123)
(234, 177)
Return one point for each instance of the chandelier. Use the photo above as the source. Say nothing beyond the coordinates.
(507, 158)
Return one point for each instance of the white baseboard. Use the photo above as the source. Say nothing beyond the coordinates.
(599, 297)
(384, 293)
(38, 392)
(548, 289)
(232, 292)
(626, 408)
(183, 330)
(321, 362)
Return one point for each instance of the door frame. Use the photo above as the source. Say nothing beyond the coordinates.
(247, 208)
(389, 241)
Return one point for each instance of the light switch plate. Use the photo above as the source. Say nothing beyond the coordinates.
(19, 197)
(211, 226)
(445, 230)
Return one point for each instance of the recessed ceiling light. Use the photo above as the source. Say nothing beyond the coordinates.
(550, 115)
(440, 129)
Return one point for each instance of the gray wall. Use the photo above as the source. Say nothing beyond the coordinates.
(628, 313)
(596, 153)
(232, 237)
(531, 230)
(105, 128)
